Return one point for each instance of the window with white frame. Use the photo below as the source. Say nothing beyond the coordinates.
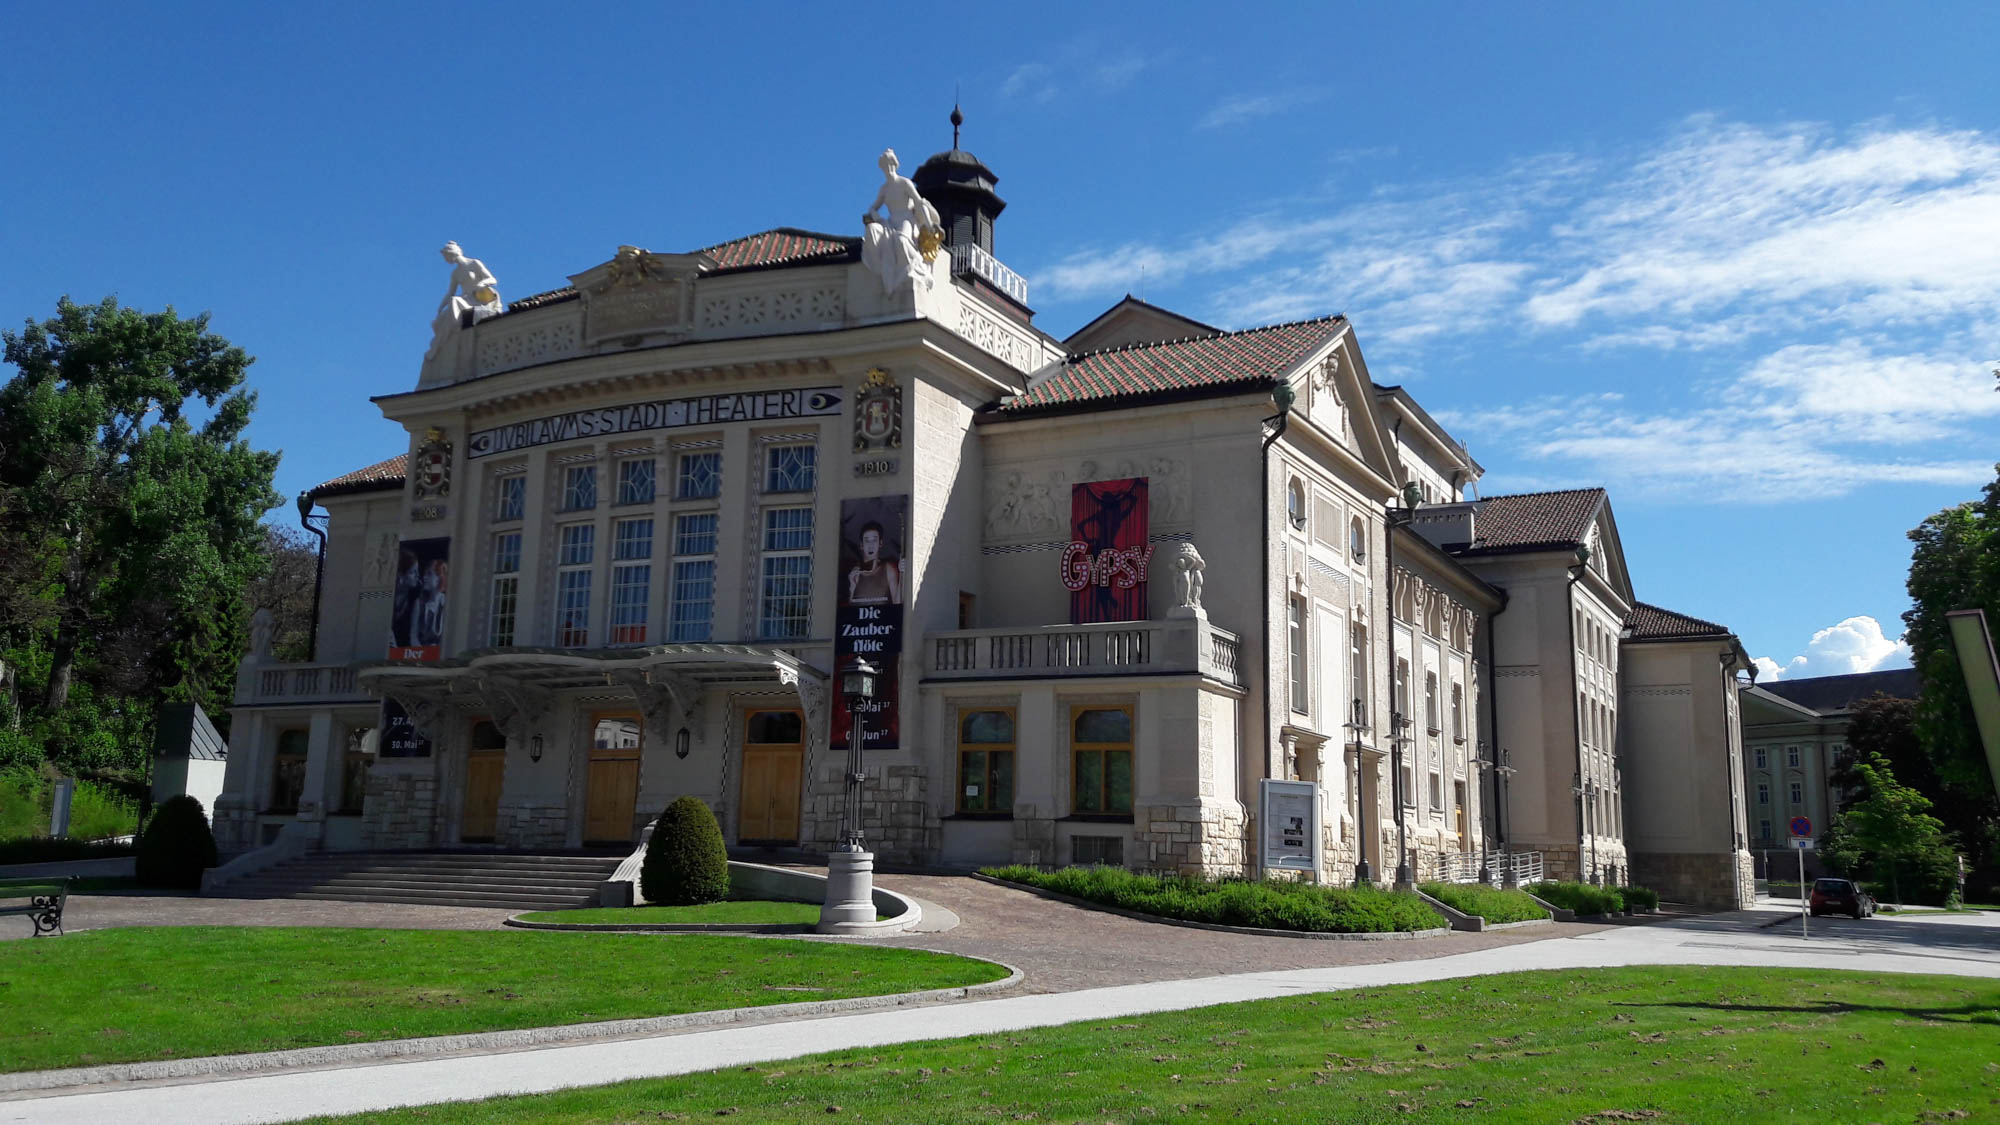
(631, 579)
(510, 497)
(579, 488)
(1798, 794)
(1357, 539)
(1295, 504)
(1458, 713)
(635, 481)
(1763, 792)
(790, 468)
(1792, 757)
(1763, 760)
(576, 550)
(699, 476)
(1297, 631)
(784, 596)
(1431, 701)
(1436, 794)
(692, 617)
(1357, 669)
(1763, 830)
(506, 588)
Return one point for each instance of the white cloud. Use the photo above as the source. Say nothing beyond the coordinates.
(1855, 645)
(1239, 108)
(1077, 65)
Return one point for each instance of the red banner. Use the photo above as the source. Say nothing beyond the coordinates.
(1108, 556)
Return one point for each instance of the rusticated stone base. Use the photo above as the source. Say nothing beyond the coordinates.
(525, 825)
(400, 810)
(895, 821)
(1204, 837)
(1717, 880)
(234, 822)
(1034, 837)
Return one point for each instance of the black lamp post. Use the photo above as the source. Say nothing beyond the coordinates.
(319, 573)
(1485, 769)
(857, 685)
(1509, 875)
(1576, 791)
(1396, 723)
(1363, 874)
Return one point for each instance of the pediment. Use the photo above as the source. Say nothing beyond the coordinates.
(637, 294)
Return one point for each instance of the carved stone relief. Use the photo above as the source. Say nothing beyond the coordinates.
(781, 310)
(1032, 502)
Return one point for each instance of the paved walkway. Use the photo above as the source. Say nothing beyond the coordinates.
(1969, 945)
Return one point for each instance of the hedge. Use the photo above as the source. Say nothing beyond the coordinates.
(685, 863)
(1491, 903)
(1274, 904)
(1583, 898)
(176, 846)
(1640, 898)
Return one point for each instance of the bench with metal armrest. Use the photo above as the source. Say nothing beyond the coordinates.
(42, 900)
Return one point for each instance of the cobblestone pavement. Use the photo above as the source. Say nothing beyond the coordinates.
(101, 911)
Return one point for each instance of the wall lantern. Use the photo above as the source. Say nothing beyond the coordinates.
(681, 743)
(535, 748)
(857, 683)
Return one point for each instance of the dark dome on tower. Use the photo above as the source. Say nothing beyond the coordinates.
(960, 186)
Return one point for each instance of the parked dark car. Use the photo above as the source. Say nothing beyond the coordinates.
(1840, 896)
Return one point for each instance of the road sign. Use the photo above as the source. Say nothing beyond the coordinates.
(1803, 843)
(1801, 826)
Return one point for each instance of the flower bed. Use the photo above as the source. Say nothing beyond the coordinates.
(1491, 903)
(1271, 904)
(1583, 898)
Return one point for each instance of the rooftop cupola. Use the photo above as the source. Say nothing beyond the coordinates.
(961, 188)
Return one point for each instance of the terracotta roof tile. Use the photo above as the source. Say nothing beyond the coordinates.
(1224, 359)
(381, 475)
(1650, 622)
(1533, 521)
(779, 246)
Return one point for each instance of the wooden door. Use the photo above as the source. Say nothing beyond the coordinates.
(484, 772)
(1458, 803)
(611, 786)
(773, 767)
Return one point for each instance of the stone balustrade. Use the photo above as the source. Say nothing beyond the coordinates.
(1182, 644)
(299, 683)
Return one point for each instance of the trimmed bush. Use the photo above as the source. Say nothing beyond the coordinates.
(176, 846)
(1273, 904)
(1582, 898)
(1640, 898)
(1491, 903)
(685, 861)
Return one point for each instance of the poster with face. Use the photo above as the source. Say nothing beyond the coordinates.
(399, 737)
(1108, 556)
(868, 617)
(416, 619)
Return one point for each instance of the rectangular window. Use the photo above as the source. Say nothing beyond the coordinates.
(789, 468)
(632, 539)
(1762, 762)
(1297, 613)
(1357, 672)
(1763, 830)
(576, 551)
(784, 602)
(1437, 795)
(1763, 793)
(506, 588)
(579, 488)
(511, 499)
(1458, 713)
(631, 580)
(1431, 701)
(1101, 760)
(635, 481)
(1792, 757)
(1798, 795)
(693, 613)
(986, 761)
(288, 771)
(699, 477)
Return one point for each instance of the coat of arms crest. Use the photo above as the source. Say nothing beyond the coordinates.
(878, 413)
(430, 467)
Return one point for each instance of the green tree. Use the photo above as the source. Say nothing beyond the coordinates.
(1955, 564)
(1887, 726)
(128, 482)
(286, 589)
(1891, 832)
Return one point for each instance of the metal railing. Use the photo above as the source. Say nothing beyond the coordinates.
(1463, 867)
(969, 258)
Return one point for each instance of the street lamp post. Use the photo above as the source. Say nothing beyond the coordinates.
(1576, 791)
(850, 869)
(1364, 875)
(1509, 876)
(1485, 859)
(1397, 722)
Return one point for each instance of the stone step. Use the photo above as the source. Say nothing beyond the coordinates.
(512, 901)
(363, 882)
(448, 871)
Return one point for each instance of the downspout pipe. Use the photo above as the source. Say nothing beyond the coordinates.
(1576, 572)
(319, 574)
(1493, 765)
(1283, 396)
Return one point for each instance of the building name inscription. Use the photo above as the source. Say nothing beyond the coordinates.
(663, 414)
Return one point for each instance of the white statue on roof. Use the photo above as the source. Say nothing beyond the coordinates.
(472, 287)
(900, 250)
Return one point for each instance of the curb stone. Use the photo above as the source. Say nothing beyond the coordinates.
(215, 1066)
(1398, 935)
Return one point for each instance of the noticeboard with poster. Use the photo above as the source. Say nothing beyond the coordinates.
(868, 616)
(416, 619)
(399, 737)
(1290, 812)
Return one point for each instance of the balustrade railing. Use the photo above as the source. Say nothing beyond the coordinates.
(1177, 645)
(288, 683)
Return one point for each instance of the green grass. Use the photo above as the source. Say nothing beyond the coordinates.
(95, 810)
(1494, 904)
(140, 993)
(1584, 898)
(736, 912)
(1276, 904)
(1663, 1044)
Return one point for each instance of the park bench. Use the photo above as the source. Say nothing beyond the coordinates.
(41, 900)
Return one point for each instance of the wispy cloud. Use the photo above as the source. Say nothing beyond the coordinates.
(1855, 645)
(1079, 65)
(1236, 109)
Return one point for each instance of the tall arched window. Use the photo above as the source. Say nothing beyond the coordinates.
(1295, 504)
(1357, 540)
(1458, 713)
(1431, 701)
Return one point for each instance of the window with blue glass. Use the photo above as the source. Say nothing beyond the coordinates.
(789, 468)
(699, 476)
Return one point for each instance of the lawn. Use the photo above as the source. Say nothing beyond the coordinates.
(1276, 904)
(1495, 904)
(1660, 1044)
(141, 993)
(735, 912)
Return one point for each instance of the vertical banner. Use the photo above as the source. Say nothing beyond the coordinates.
(1105, 565)
(868, 619)
(399, 737)
(416, 623)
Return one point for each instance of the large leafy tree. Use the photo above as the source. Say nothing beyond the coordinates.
(130, 488)
(286, 589)
(1890, 834)
(1955, 565)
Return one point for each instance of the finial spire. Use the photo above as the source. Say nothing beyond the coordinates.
(957, 119)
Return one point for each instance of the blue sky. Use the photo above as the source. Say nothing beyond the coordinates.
(1738, 263)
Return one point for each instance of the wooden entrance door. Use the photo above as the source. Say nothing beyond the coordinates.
(611, 787)
(1458, 803)
(773, 767)
(484, 772)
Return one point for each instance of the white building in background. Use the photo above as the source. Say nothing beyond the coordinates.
(645, 519)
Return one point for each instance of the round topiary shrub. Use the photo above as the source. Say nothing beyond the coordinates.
(176, 846)
(685, 863)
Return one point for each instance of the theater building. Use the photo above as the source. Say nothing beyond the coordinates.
(1115, 581)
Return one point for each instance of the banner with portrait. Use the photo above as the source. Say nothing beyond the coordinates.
(868, 616)
(1106, 562)
(416, 619)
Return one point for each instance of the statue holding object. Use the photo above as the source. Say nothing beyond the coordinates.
(472, 287)
(899, 250)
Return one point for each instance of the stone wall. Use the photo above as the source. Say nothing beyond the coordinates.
(1034, 837)
(234, 822)
(531, 825)
(896, 823)
(1206, 838)
(1718, 880)
(400, 810)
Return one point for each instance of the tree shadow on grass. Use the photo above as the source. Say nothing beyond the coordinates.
(1985, 1012)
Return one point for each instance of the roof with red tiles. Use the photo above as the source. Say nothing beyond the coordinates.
(381, 475)
(779, 246)
(1651, 623)
(1222, 360)
(1533, 521)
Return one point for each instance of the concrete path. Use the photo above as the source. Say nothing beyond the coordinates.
(1969, 946)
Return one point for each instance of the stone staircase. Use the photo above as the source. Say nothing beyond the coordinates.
(490, 879)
